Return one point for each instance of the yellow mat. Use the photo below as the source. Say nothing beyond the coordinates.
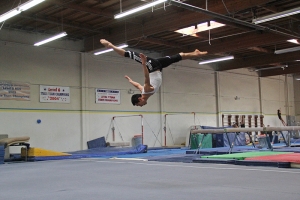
(34, 152)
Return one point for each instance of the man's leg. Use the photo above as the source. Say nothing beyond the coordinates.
(129, 54)
(109, 45)
(194, 54)
(168, 60)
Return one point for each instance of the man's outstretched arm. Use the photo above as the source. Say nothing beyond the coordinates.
(147, 86)
(135, 84)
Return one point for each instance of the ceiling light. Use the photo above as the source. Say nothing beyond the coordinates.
(137, 9)
(109, 50)
(192, 30)
(295, 41)
(268, 68)
(216, 60)
(51, 39)
(298, 79)
(19, 9)
(287, 50)
(276, 16)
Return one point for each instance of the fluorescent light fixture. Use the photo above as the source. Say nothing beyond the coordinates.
(29, 4)
(192, 30)
(276, 16)
(216, 60)
(287, 50)
(134, 10)
(275, 67)
(295, 41)
(298, 79)
(109, 50)
(19, 9)
(9, 14)
(55, 37)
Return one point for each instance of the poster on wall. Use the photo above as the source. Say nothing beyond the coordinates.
(108, 96)
(54, 94)
(11, 90)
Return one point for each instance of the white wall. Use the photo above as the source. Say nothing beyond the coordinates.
(60, 127)
(190, 95)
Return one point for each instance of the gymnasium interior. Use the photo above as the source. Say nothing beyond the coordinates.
(223, 125)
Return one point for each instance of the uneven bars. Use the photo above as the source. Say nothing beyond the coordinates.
(142, 123)
(231, 130)
(165, 123)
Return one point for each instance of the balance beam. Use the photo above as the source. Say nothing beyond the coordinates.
(232, 130)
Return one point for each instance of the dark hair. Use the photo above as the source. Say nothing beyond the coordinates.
(135, 99)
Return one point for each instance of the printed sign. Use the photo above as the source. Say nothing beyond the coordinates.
(10, 90)
(108, 96)
(54, 94)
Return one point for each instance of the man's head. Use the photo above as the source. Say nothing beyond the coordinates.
(137, 100)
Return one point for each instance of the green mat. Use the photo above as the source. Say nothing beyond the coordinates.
(197, 138)
(242, 156)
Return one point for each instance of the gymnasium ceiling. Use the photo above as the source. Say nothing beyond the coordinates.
(152, 30)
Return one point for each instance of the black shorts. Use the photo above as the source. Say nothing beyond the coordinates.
(154, 64)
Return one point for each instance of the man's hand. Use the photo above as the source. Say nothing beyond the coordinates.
(128, 78)
(135, 84)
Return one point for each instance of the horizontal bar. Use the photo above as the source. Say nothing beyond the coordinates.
(128, 116)
(231, 130)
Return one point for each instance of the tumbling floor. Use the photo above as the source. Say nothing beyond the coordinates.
(238, 155)
(158, 173)
(98, 178)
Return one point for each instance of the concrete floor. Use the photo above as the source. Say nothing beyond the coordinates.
(85, 179)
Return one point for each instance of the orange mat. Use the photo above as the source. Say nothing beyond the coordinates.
(291, 157)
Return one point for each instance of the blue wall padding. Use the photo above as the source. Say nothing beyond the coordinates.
(96, 143)
(2, 153)
(239, 139)
(217, 141)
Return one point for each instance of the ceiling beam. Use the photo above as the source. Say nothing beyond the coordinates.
(58, 22)
(81, 8)
(259, 49)
(160, 42)
(233, 43)
(258, 61)
(164, 20)
(216, 15)
(274, 72)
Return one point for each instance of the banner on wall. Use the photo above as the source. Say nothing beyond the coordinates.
(54, 94)
(10, 90)
(108, 96)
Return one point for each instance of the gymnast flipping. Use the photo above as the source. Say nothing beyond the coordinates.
(152, 70)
